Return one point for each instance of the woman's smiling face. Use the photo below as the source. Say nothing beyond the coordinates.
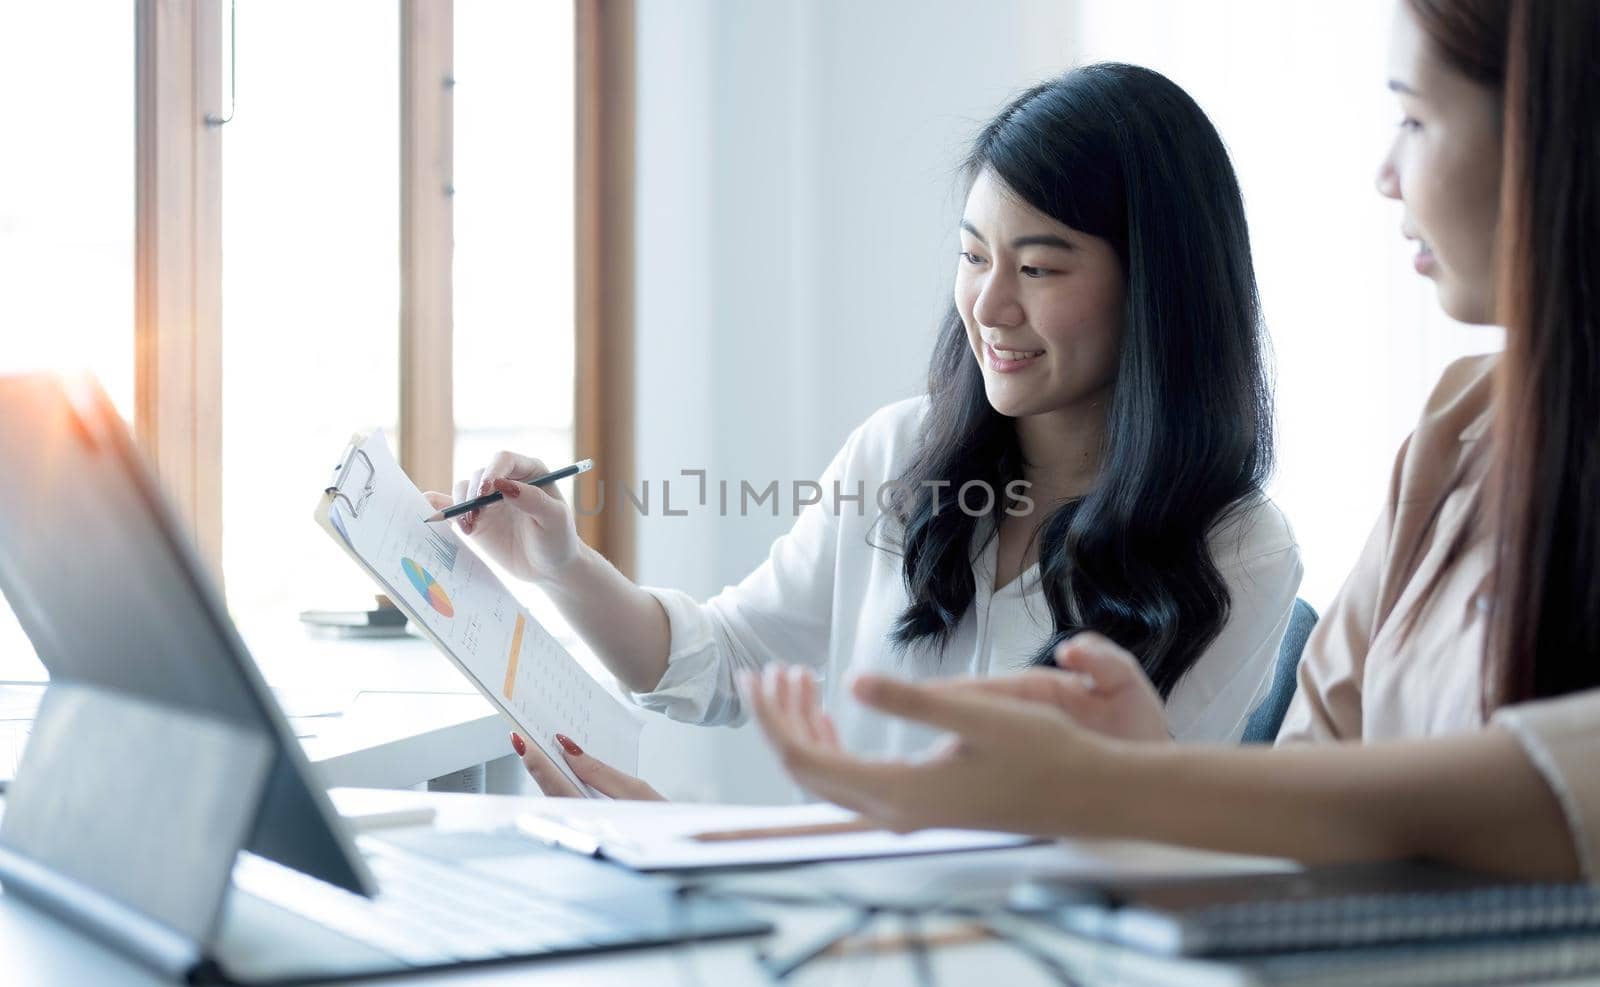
(1041, 301)
(1444, 166)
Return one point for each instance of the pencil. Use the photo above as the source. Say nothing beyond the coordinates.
(582, 466)
(782, 832)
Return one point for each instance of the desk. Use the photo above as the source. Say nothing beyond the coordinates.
(36, 950)
(370, 713)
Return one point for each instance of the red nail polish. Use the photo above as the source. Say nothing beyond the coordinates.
(518, 746)
(508, 488)
(567, 743)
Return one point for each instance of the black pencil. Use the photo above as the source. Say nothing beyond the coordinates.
(582, 466)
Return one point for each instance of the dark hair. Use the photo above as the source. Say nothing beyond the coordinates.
(1120, 153)
(1544, 472)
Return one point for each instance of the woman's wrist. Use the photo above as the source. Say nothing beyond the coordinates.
(571, 577)
(1128, 781)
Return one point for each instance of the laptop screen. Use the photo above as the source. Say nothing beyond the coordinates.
(109, 590)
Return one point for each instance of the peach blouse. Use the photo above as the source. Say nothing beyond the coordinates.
(1376, 669)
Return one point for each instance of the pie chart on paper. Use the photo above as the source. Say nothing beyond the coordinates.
(429, 587)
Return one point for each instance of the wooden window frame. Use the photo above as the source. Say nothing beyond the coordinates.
(427, 242)
(178, 258)
(604, 202)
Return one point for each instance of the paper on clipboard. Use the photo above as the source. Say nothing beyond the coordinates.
(378, 515)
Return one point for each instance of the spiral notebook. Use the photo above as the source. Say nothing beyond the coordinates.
(1322, 908)
(1482, 962)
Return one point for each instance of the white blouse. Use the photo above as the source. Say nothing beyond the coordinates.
(827, 598)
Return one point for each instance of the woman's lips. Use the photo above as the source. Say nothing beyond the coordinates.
(1010, 361)
(1424, 261)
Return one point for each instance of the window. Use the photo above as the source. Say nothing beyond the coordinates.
(66, 211)
(260, 322)
(514, 313)
(311, 266)
(67, 193)
(310, 289)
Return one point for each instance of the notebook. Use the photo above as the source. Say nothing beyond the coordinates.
(1357, 905)
(1447, 963)
(378, 516)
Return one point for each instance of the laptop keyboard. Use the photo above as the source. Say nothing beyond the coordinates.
(428, 912)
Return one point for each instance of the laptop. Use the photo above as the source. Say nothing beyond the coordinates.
(163, 804)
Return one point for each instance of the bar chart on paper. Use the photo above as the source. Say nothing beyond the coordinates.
(462, 605)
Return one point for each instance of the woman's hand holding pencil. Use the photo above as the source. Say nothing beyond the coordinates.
(494, 497)
(520, 520)
(516, 514)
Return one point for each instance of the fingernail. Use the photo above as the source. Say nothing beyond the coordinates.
(567, 745)
(508, 487)
(518, 746)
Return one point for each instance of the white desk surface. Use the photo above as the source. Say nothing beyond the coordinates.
(370, 712)
(35, 949)
(408, 714)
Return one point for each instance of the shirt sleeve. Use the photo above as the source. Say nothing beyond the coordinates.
(1327, 697)
(1561, 737)
(1213, 701)
(781, 612)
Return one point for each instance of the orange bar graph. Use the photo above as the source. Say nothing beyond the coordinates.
(516, 651)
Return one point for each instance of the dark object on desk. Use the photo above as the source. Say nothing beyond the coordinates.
(1319, 908)
(455, 510)
(384, 620)
(206, 765)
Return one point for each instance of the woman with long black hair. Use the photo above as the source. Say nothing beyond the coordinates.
(1464, 650)
(1090, 455)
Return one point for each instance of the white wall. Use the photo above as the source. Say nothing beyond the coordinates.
(1298, 92)
(797, 203)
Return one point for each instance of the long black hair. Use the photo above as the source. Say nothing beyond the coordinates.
(1120, 153)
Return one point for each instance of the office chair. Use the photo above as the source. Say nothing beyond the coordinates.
(1264, 722)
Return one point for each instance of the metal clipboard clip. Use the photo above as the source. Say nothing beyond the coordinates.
(343, 485)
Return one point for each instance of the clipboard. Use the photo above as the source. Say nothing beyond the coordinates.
(537, 684)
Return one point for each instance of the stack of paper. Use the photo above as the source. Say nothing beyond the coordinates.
(667, 836)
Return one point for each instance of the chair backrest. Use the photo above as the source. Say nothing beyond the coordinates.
(1268, 716)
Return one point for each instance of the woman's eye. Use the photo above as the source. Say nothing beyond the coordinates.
(1033, 272)
(1409, 123)
(971, 258)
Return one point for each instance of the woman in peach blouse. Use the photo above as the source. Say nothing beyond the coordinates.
(1463, 653)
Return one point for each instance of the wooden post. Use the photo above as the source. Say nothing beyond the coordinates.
(177, 259)
(427, 424)
(603, 418)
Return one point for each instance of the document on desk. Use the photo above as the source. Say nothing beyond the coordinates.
(378, 515)
(677, 836)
